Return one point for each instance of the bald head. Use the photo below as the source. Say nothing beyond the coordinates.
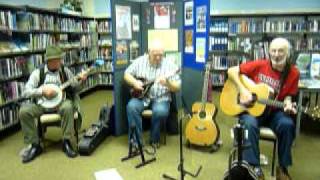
(279, 52)
(156, 51)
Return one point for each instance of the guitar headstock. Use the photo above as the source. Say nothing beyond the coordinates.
(314, 112)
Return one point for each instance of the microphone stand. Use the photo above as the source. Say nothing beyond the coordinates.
(183, 172)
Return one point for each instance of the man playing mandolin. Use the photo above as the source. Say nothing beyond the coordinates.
(53, 72)
(282, 77)
(164, 73)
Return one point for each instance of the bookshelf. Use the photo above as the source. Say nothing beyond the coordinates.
(237, 38)
(26, 31)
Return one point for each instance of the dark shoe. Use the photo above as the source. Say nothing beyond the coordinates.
(282, 174)
(68, 150)
(30, 153)
(156, 145)
(258, 171)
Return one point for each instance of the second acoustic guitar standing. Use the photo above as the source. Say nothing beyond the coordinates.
(202, 130)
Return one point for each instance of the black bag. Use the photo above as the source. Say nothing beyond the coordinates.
(95, 134)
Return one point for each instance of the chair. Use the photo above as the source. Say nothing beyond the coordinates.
(147, 114)
(268, 135)
(54, 119)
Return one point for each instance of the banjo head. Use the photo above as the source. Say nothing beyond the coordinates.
(49, 103)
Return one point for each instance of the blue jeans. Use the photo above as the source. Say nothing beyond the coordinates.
(281, 124)
(160, 112)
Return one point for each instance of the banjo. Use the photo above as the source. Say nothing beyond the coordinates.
(50, 103)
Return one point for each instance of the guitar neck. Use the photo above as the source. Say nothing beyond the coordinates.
(277, 104)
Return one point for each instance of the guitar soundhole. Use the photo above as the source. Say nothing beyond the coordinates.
(202, 114)
(249, 104)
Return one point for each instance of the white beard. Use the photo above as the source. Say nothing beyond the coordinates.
(278, 63)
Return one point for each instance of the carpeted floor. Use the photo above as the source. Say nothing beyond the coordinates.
(53, 164)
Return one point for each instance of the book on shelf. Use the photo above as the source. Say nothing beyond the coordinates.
(23, 21)
(303, 64)
(315, 66)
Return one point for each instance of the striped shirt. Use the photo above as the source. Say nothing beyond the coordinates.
(141, 68)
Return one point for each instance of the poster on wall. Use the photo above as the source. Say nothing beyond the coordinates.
(200, 49)
(123, 22)
(189, 39)
(135, 23)
(161, 16)
(188, 13)
(121, 53)
(201, 18)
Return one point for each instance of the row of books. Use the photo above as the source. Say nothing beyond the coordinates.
(218, 79)
(19, 20)
(105, 52)
(11, 67)
(41, 41)
(269, 25)
(219, 25)
(44, 22)
(75, 56)
(243, 44)
(246, 25)
(105, 42)
(314, 24)
(7, 20)
(18, 66)
(261, 50)
(313, 43)
(104, 26)
(10, 91)
(9, 116)
(218, 43)
(98, 79)
(224, 62)
(72, 25)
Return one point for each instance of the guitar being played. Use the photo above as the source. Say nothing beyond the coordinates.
(282, 77)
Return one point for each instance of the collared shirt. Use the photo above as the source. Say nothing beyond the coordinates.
(141, 68)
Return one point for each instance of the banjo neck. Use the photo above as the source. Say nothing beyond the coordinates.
(68, 83)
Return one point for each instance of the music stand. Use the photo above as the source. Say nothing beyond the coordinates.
(183, 172)
(131, 154)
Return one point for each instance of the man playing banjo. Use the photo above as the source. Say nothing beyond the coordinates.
(37, 87)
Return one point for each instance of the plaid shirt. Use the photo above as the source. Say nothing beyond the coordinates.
(141, 68)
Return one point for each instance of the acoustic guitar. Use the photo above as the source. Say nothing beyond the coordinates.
(51, 103)
(230, 103)
(202, 129)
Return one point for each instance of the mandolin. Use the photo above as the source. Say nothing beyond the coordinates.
(229, 99)
(202, 129)
(147, 86)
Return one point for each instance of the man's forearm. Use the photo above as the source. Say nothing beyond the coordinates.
(129, 79)
(173, 85)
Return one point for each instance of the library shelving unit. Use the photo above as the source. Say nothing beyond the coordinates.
(236, 38)
(25, 32)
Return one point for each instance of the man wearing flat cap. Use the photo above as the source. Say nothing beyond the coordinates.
(52, 72)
